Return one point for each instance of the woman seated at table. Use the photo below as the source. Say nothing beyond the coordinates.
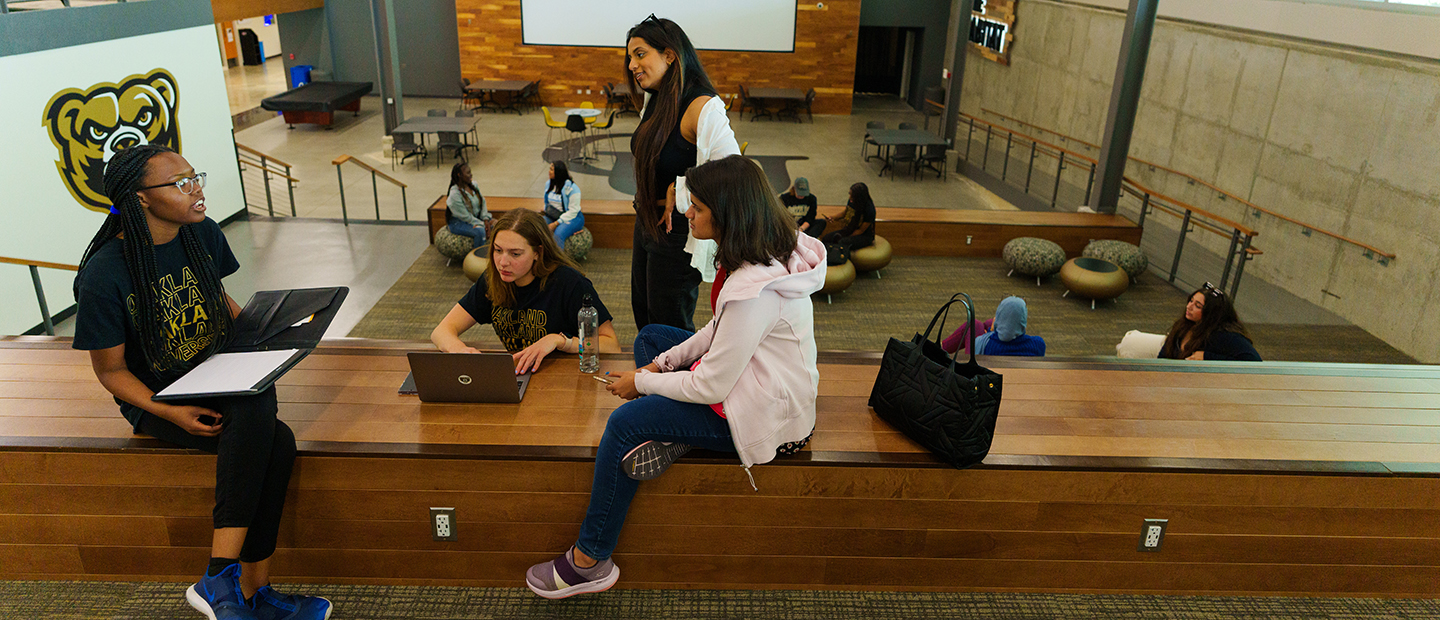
(801, 204)
(745, 383)
(562, 204)
(857, 224)
(466, 214)
(1209, 329)
(531, 293)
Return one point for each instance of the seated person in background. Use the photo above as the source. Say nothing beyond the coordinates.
(1209, 330)
(801, 203)
(959, 340)
(562, 204)
(466, 214)
(857, 231)
(1009, 337)
(531, 293)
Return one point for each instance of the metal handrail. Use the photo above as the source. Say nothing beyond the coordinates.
(264, 162)
(1370, 248)
(374, 186)
(35, 266)
(1241, 237)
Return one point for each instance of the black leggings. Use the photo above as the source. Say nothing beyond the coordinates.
(255, 455)
(851, 243)
(663, 285)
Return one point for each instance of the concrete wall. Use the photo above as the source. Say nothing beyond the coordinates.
(305, 35)
(932, 17)
(1344, 140)
(426, 32)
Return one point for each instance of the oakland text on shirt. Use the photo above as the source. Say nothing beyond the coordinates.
(518, 329)
(187, 328)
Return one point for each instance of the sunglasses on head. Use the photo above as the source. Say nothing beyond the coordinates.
(1212, 290)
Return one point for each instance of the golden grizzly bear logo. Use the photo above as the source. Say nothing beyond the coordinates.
(90, 126)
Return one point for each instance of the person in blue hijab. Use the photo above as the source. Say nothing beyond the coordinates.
(1008, 336)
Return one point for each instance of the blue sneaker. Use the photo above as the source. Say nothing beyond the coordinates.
(272, 605)
(219, 597)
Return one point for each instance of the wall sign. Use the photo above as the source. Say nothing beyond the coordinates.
(992, 28)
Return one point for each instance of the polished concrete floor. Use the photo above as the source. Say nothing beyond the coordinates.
(514, 152)
(247, 85)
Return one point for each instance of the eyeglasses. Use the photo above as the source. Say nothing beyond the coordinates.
(1211, 289)
(652, 18)
(188, 185)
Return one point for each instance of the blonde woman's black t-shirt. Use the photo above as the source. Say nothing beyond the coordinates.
(539, 310)
(105, 310)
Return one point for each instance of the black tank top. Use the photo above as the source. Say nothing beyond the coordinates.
(678, 154)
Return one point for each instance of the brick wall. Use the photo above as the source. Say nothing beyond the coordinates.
(824, 57)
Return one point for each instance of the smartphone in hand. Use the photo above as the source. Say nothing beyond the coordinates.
(602, 379)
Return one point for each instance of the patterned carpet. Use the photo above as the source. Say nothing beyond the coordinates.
(60, 600)
(898, 304)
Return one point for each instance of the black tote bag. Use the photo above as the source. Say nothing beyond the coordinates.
(948, 408)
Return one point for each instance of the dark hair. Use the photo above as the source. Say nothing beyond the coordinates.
(860, 195)
(456, 181)
(562, 174)
(548, 256)
(124, 175)
(1217, 316)
(663, 113)
(750, 225)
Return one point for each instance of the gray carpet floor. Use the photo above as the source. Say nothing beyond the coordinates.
(897, 304)
(61, 600)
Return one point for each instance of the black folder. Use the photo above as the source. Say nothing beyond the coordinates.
(268, 322)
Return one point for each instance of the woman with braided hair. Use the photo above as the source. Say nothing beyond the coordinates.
(151, 307)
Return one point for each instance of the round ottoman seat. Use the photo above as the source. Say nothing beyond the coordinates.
(1127, 256)
(579, 244)
(475, 264)
(837, 278)
(451, 245)
(873, 257)
(1034, 257)
(1093, 278)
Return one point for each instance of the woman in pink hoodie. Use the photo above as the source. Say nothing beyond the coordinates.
(745, 383)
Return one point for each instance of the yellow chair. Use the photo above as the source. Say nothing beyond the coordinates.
(552, 124)
(589, 120)
(743, 145)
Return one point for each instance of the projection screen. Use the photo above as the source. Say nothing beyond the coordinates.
(736, 25)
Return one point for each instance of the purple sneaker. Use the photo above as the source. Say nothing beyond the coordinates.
(561, 578)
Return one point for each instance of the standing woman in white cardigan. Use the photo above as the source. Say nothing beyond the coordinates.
(683, 125)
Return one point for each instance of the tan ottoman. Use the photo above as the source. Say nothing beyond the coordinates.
(837, 278)
(1093, 278)
(475, 264)
(873, 257)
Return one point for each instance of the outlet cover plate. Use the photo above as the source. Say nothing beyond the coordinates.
(1145, 533)
(436, 514)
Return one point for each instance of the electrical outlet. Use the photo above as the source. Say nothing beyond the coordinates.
(587, 91)
(968, 239)
(1152, 534)
(442, 523)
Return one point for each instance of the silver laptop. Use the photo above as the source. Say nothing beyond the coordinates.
(467, 377)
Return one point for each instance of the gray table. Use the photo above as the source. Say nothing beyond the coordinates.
(897, 137)
(785, 95)
(486, 89)
(436, 124)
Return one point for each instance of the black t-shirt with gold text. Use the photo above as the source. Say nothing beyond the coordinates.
(105, 313)
(538, 311)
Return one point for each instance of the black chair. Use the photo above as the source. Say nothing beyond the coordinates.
(435, 113)
(472, 133)
(794, 108)
(449, 140)
(576, 125)
(405, 143)
(868, 141)
(934, 153)
(901, 154)
(909, 126)
(467, 99)
(609, 122)
(530, 96)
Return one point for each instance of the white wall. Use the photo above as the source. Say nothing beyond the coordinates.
(269, 35)
(42, 220)
(1413, 31)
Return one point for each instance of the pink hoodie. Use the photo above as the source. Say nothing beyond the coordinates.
(757, 354)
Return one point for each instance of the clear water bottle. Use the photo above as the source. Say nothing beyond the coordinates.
(589, 320)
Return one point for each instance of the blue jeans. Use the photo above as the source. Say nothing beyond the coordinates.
(648, 418)
(565, 229)
(475, 233)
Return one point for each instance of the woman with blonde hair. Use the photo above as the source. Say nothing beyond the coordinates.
(531, 294)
